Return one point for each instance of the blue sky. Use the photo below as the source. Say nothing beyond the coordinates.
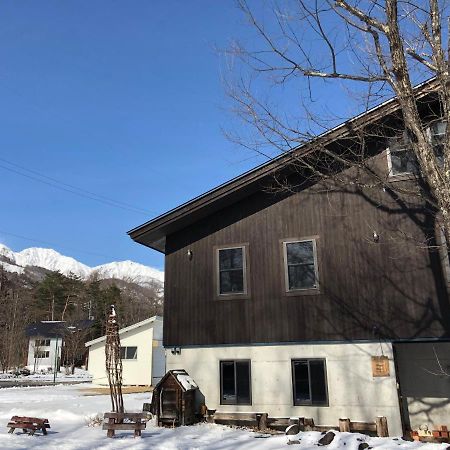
(121, 99)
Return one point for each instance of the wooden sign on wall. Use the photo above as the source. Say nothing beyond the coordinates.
(380, 366)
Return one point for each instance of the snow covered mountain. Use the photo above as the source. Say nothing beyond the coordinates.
(52, 260)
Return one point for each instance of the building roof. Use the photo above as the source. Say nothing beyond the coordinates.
(185, 381)
(125, 330)
(55, 328)
(153, 233)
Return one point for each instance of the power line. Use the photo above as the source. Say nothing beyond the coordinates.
(71, 188)
(53, 244)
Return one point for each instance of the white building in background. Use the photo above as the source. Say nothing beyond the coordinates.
(143, 356)
(46, 341)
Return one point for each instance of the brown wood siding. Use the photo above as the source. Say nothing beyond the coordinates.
(390, 289)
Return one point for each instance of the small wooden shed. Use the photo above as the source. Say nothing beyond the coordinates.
(173, 401)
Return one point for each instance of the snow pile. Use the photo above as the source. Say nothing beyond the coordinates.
(52, 260)
(356, 441)
(71, 412)
(185, 380)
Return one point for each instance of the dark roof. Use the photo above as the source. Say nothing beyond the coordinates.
(55, 328)
(153, 233)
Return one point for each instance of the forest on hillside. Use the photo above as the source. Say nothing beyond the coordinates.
(44, 295)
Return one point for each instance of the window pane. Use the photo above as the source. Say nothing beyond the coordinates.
(301, 382)
(243, 382)
(438, 129)
(300, 252)
(438, 135)
(232, 281)
(301, 277)
(230, 258)
(123, 352)
(403, 161)
(318, 385)
(131, 352)
(228, 386)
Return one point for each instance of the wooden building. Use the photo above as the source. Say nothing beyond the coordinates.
(173, 400)
(279, 301)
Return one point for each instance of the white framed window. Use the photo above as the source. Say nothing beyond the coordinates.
(42, 342)
(128, 352)
(231, 266)
(401, 159)
(300, 265)
(41, 354)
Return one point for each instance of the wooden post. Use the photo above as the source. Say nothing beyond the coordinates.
(301, 423)
(262, 424)
(110, 433)
(137, 431)
(344, 425)
(382, 427)
(309, 424)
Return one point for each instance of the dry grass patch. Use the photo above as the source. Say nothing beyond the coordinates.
(125, 390)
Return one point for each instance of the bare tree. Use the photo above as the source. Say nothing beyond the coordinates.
(76, 333)
(14, 315)
(379, 49)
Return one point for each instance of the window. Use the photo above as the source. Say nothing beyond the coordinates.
(42, 343)
(41, 354)
(401, 157)
(235, 386)
(231, 267)
(437, 131)
(300, 265)
(445, 255)
(309, 382)
(128, 352)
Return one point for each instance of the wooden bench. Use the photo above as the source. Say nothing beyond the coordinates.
(28, 424)
(124, 421)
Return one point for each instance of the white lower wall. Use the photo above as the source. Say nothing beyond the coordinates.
(352, 390)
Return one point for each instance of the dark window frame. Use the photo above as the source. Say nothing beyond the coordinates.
(444, 254)
(222, 402)
(300, 291)
(310, 402)
(125, 349)
(42, 342)
(434, 138)
(245, 268)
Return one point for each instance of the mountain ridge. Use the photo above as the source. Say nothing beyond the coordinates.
(50, 259)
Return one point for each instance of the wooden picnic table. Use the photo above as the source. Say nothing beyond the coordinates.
(28, 424)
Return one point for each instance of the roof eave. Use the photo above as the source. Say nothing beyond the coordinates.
(151, 232)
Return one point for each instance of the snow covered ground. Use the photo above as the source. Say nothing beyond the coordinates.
(69, 413)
